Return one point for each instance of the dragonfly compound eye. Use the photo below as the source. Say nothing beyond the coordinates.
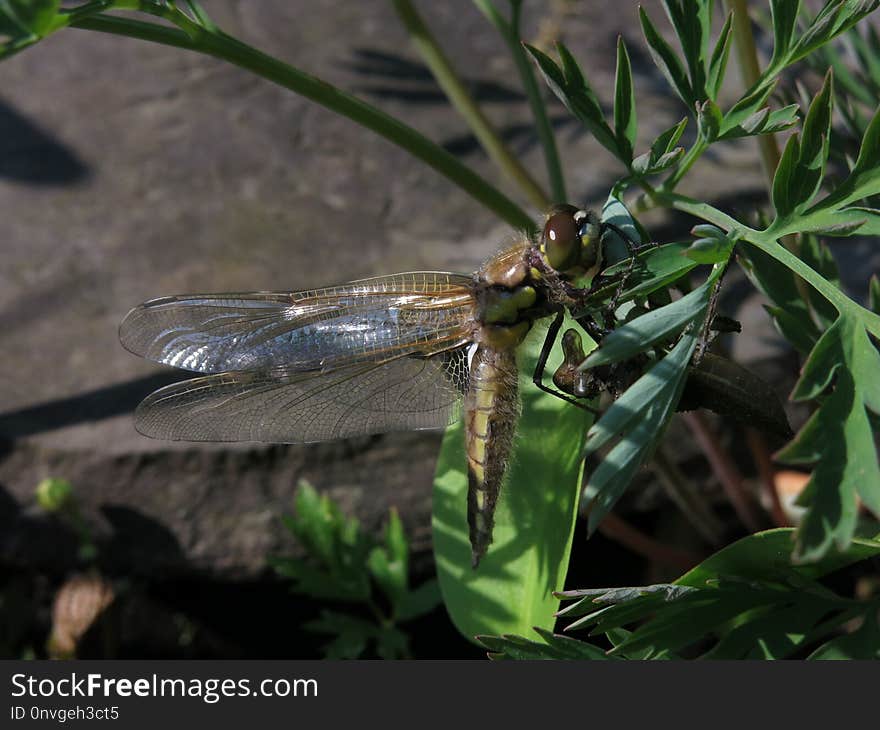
(590, 238)
(560, 241)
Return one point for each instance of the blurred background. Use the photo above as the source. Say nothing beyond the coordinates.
(129, 171)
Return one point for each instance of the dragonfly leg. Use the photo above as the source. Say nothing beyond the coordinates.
(538, 376)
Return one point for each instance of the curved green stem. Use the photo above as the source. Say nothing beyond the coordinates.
(195, 37)
(454, 88)
(509, 31)
(768, 244)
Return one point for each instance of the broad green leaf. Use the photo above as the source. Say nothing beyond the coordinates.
(625, 125)
(667, 61)
(512, 589)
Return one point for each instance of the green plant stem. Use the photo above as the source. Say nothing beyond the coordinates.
(768, 147)
(747, 59)
(767, 242)
(454, 88)
(509, 31)
(690, 157)
(220, 45)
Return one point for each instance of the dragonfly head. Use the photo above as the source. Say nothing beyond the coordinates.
(571, 239)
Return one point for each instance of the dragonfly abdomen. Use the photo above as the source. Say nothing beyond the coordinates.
(491, 412)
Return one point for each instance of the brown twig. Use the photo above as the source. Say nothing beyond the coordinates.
(619, 530)
(767, 474)
(686, 497)
(724, 468)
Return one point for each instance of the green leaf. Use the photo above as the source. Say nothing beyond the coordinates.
(802, 166)
(712, 245)
(21, 18)
(512, 590)
(657, 268)
(874, 294)
(837, 438)
(638, 418)
(784, 180)
(761, 121)
(692, 21)
(625, 125)
(573, 90)
(836, 17)
(420, 601)
(667, 61)
(554, 646)
(709, 120)
(663, 153)
(746, 107)
(749, 599)
(863, 643)
(784, 14)
(647, 330)
(718, 62)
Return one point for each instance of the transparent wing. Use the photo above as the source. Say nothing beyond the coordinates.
(289, 406)
(372, 319)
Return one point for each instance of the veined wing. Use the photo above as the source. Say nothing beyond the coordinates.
(371, 319)
(289, 406)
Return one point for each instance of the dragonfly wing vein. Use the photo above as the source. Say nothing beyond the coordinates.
(289, 406)
(322, 328)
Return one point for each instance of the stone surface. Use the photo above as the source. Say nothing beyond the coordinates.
(129, 171)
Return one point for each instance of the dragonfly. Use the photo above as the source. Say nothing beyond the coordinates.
(407, 351)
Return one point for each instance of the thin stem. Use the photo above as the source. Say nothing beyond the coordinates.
(227, 48)
(768, 147)
(452, 85)
(509, 31)
(767, 243)
(750, 69)
(725, 470)
(767, 474)
(686, 497)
